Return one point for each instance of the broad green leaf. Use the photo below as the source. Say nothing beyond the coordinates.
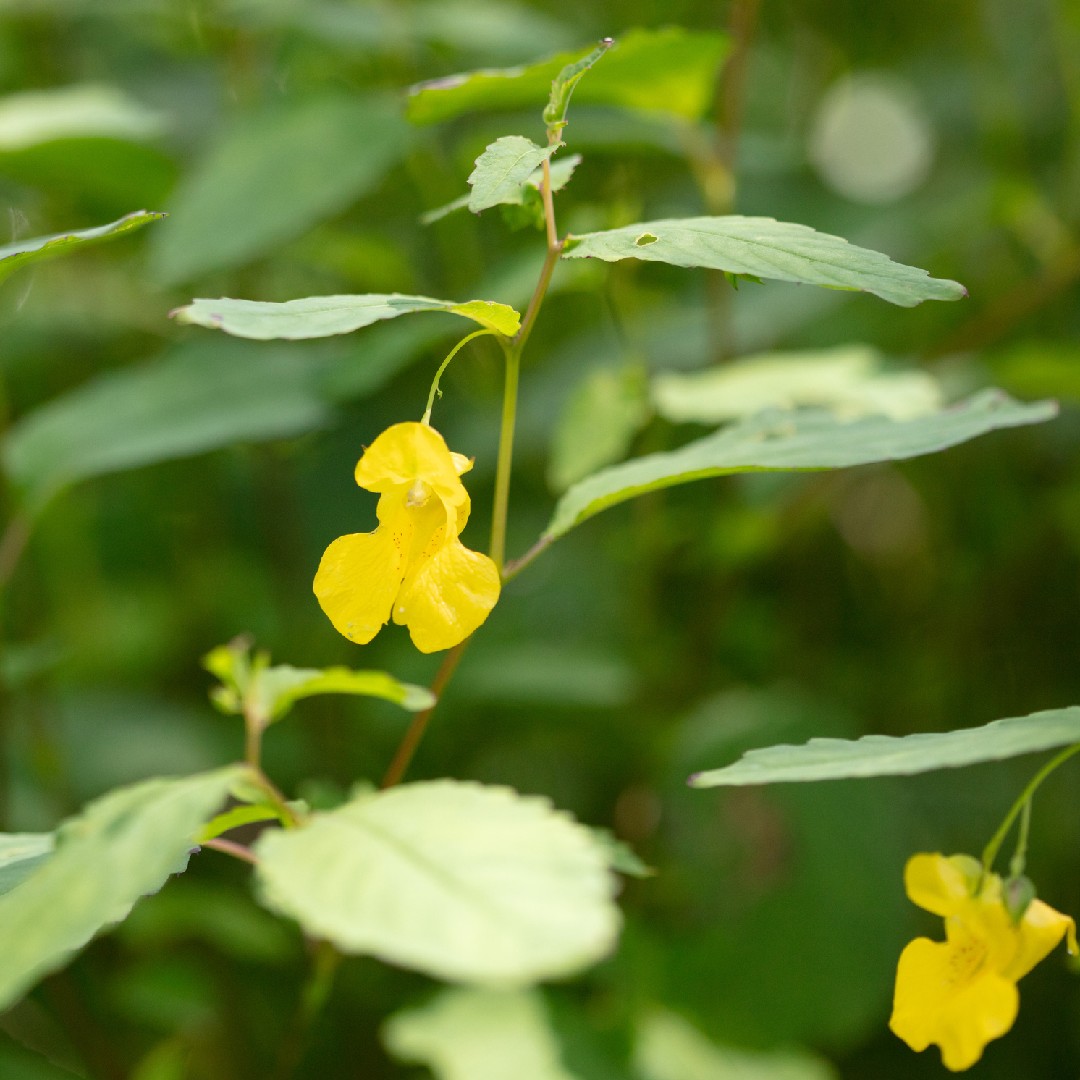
(503, 169)
(560, 170)
(783, 442)
(463, 882)
(762, 247)
(475, 1034)
(195, 398)
(668, 1048)
(20, 855)
(123, 846)
(272, 177)
(671, 71)
(848, 381)
(12, 256)
(563, 85)
(282, 686)
(68, 112)
(598, 423)
(883, 755)
(323, 316)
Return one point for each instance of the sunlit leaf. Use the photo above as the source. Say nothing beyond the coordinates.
(502, 170)
(793, 442)
(883, 755)
(121, 847)
(849, 380)
(68, 112)
(670, 71)
(272, 177)
(463, 882)
(280, 687)
(473, 1034)
(764, 248)
(195, 398)
(668, 1048)
(323, 316)
(14, 255)
(20, 855)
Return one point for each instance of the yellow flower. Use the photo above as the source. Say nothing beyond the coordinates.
(412, 566)
(961, 993)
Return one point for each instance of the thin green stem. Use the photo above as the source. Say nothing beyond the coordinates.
(506, 457)
(991, 851)
(515, 566)
(1016, 864)
(231, 847)
(443, 366)
(411, 741)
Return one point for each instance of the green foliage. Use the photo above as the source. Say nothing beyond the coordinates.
(765, 248)
(20, 855)
(122, 847)
(457, 880)
(774, 441)
(502, 171)
(884, 755)
(323, 316)
(21, 252)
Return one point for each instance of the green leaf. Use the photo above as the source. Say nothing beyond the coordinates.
(323, 316)
(764, 248)
(280, 687)
(474, 1034)
(671, 71)
(562, 86)
(782, 442)
(20, 855)
(12, 256)
(463, 882)
(560, 170)
(123, 846)
(849, 381)
(621, 856)
(272, 177)
(598, 423)
(668, 1048)
(503, 169)
(195, 398)
(883, 755)
(67, 112)
(237, 816)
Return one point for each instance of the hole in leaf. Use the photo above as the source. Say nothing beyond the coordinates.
(646, 238)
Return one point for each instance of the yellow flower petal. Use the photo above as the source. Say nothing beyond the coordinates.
(447, 597)
(461, 463)
(408, 452)
(357, 580)
(1039, 932)
(939, 884)
(945, 994)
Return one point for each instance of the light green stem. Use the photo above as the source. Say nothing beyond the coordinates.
(433, 392)
(506, 456)
(991, 851)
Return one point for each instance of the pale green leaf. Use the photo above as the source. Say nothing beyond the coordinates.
(762, 247)
(278, 688)
(20, 855)
(561, 171)
(883, 755)
(668, 1048)
(196, 398)
(123, 846)
(671, 71)
(596, 426)
(272, 177)
(799, 441)
(503, 169)
(14, 255)
(69, 112)
(463, 882)
(474, 1034)
(621, 856)
(323, 316)
(247, 814)
(564, 84)
(849, 381)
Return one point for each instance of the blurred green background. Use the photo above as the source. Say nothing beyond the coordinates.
(185, 486)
